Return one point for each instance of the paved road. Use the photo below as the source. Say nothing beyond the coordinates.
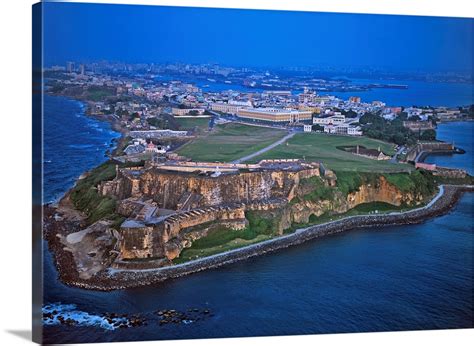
(394, 157)
(264, 150)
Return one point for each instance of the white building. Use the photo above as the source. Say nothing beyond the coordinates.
(307, 128)
(343, 129)
(334, 120)
(275, 115)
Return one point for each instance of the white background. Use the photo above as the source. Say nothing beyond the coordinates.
(15, 180)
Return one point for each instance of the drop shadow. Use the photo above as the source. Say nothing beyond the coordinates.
(23, 334)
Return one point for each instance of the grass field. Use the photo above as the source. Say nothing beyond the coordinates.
(202, 124)
(324, 148)
(229, 142)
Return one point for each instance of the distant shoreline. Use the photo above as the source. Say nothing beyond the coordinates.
(114, 279)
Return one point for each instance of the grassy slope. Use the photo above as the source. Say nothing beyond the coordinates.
(86, 198)
(230, 142)
(323, 148)
(190, 123)
(223, 239)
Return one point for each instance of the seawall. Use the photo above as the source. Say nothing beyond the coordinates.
(121, 279)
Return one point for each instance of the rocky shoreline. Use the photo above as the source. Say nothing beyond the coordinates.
(120, 279)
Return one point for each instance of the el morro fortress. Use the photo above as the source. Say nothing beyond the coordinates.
(164, 208)
(168, 206)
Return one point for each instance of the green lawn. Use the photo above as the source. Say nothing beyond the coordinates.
(202, 124)
(192, 253)
(324, 148)
(229, 142)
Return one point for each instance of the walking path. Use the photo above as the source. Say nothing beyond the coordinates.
(264, 150)
(395, 157)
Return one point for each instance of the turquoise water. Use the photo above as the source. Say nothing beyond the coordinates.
(378, 279)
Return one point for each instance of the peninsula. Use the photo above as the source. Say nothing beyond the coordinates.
(202, 179)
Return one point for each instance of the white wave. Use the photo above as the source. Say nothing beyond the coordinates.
(69, 312)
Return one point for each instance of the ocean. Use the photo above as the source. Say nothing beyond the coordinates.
(379, 279)
(418, 93)
(461, 134)
(73, 144)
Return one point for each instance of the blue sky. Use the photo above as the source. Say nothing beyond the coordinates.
(91, 32)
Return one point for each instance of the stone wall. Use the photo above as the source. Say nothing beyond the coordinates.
(429, 147)
(167, 188)
(166, 239)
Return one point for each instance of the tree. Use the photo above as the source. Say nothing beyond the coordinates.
(428, 135)
(317, 128)
(351, 114)
(369, 118)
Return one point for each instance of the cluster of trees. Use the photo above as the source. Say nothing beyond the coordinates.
(317, 128)
(393, 131)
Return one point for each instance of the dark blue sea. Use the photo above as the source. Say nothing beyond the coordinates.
(379, 279)
(461, 134)
(73, 144)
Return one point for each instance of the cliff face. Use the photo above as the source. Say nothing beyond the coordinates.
(199, 203)
(379, 191)
(173, 190)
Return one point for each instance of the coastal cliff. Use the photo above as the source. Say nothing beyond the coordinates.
(160, 216)
(171, 189)
(120, 279)
(316, 198)
(279, 201)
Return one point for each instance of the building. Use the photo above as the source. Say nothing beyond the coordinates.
(374, 154)
(275, 115)
(70, 67)
(307, 97)
(343, 129)
(334, 120)
(307, 128)
(312, 109)
(242, 104)
(228, 108)
(186, 111)
(152, 148)
(354, 99)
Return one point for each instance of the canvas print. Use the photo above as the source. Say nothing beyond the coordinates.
(203, 173)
